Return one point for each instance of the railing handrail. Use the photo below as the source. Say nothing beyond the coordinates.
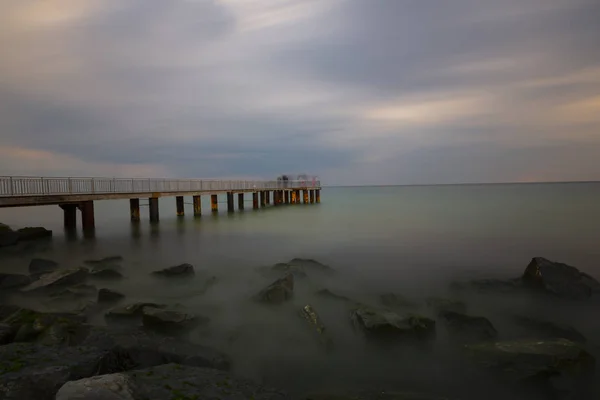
(17, 186)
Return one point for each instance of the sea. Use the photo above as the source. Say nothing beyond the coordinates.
(413, 241)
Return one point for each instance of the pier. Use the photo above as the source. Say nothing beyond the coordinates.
(72, 194)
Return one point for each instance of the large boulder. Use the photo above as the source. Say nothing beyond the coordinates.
(52, 280)
(382, 324)
(278, 292)
(106, 296)
(170, 381)
(13, 281)
(314, 321)
(559, 279)
(549, 330)
(181, 270)
(468, 328)
(46, 328)
(139, 348)
(169, 321)
(33, 233)
(548, 365)
(31, 371)
(40, 266)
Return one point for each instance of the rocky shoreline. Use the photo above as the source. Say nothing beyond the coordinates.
(142, 351)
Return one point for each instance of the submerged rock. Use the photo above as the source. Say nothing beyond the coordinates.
(64, 277)
(75, 292)
(310, 265)
(46, 328)
(559, 279)
(170, 381)
(33, 233)
(169, 321)
(279, 291)
(547, 329)
(439, 305)
(387, 325)
(106, 274)
(467, 327)
(536, 363)
(297, 271)
(313, 319)
(39, 266)
(177, 270)
(109, 296)
(13, 281)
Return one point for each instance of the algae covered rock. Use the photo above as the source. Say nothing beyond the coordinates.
(316, 324)
(278, 292)
(559, 279)
(63, 277)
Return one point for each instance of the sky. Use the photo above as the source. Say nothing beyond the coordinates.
(354, 91)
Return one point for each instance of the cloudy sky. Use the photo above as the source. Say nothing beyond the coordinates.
(355, 91)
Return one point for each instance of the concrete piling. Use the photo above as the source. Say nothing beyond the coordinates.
(153, 206)
(69, 216)
(305, 195)
(241, 201)
(255, 200)
(180, 208)
(134, 210)
(230, 206)
(197, 200)
(318, 195)
(214, 203)
(262, 199)
(268, 197)
(312, 196)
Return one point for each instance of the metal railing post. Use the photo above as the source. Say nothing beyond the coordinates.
(10, 182)
(93, 186)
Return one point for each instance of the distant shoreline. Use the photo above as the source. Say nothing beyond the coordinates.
(464, 184)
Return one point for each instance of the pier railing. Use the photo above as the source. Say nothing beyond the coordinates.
(11, 186)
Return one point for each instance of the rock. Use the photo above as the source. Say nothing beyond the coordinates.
(46, 328)
(63, 277)
(75, 292)
(310, 265)
(129, 312)
(467, 327)
(7, 333)
(314, 321)
(30, 371)
(170, 381)
(169, 321)
(550, 330)
(6, 310)
(112, 261)
(106, 274)
(297, 271)
(392, 300)
(142, 349)
(536, 363)
(387, 325)
(13, 281)
(109, 296)
(39, 266)
(279, 291)
(440, 305)
(177, 270)
(329, 294)
(33, 233)
(559, 279)
(8, 237)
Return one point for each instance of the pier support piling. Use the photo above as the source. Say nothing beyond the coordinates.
(197, 206)
(180, 208)
(255, 200)
(280, 197)
(268, 197)
(318, 195)
(134, 210)
(214, 203)
(241, 201)
(153, 206)
(263, 203)
(297, 196)
(305, 195)
(87, 215)
(312, 196)
(69, 216)
(230, 206)
(286, 196)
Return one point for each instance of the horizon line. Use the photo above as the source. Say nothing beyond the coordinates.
(462, 184)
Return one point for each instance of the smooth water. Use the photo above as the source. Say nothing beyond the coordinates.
(410, 240)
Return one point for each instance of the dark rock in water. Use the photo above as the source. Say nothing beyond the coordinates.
(329, 294)
(550, 330)
(7, 333)
(106, 261)
(295, 270)
(169, 321)
(392, 300)
(106, 274)
(440, 305)
(8, 237)
(109, 296)
(130, 312)
(30, 371)
(142, 349)
(170, 381)
(537, 364)
(467, 327)
(279, 291)
(13, 281)
(75, 292)
(310, 265)
(313, 319)
(177, 270)
(63, 277)
(33, 233)
(6, 310)
(559, 279)
(39, 266)
(46, 328)
(387, 325)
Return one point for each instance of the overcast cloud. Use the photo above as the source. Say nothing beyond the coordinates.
(355, 91)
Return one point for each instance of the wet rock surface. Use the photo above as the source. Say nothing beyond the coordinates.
(39, 266)
(549, 330)
(106, 274)
(52, 280)
(182, 270)
(170, 321)
(129, 312)
(8, 237)
(33, 233)
(278, 292)
(316, 324)
(468, 328)
(559, 279)
(385, 325)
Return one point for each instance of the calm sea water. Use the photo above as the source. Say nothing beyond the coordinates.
(411, 240)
